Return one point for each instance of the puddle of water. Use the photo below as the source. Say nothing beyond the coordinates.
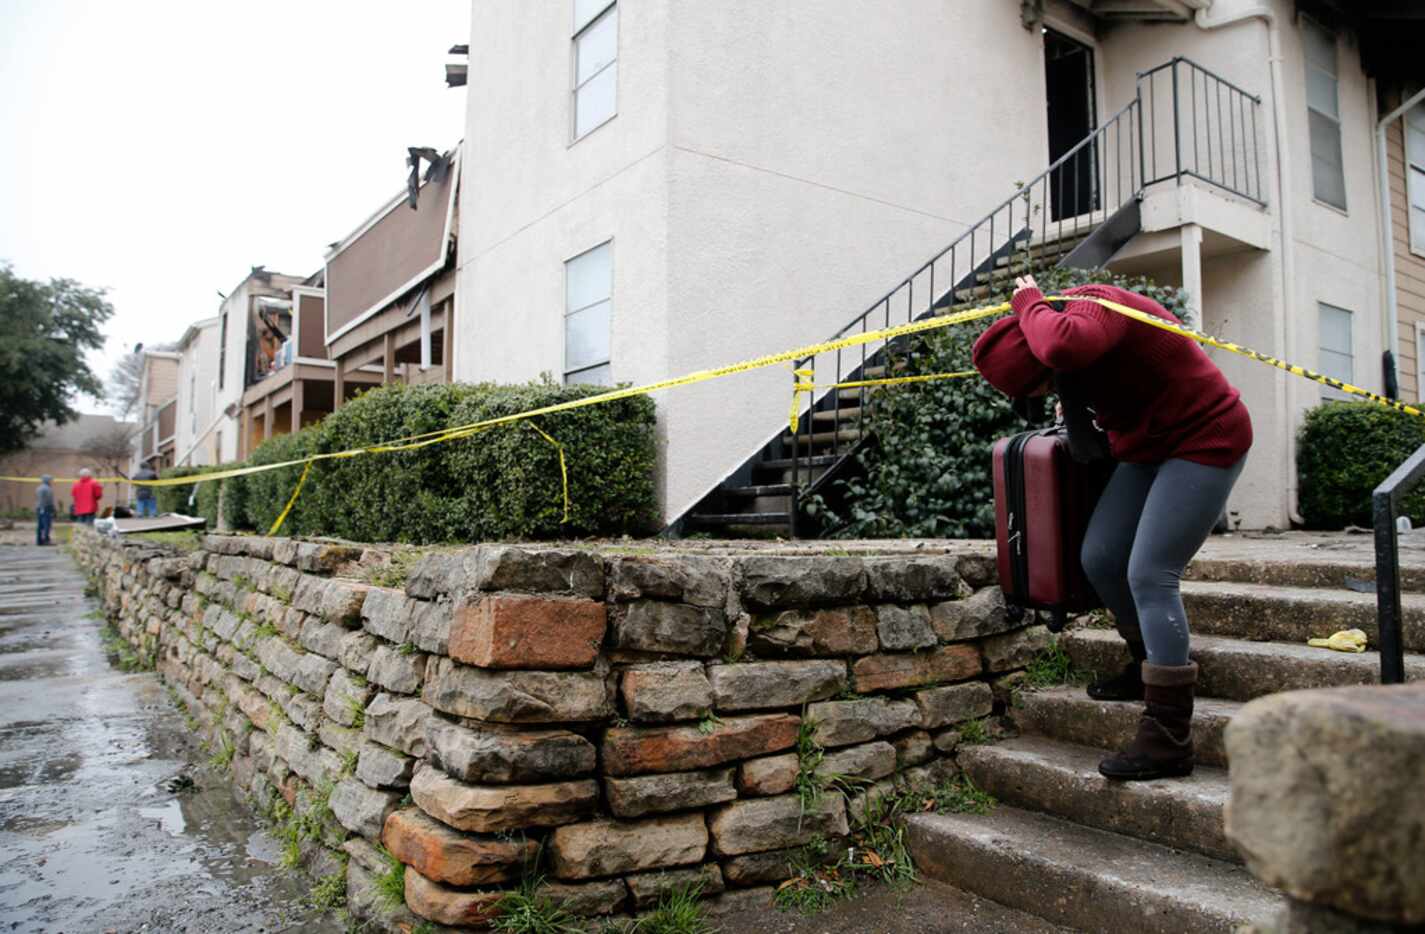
(264, 848)
(169, 817)
(91, 837)
(47, 669)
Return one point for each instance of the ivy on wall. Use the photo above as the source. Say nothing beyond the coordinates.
(925, 469)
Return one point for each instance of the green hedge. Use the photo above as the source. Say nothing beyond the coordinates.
(1344, 450)
(926, 471)
(501, 484)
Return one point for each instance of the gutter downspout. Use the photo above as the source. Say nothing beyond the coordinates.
(1286, 401)
(1387, 230)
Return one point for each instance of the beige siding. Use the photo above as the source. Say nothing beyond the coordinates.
(1409, 266)
(162, 380)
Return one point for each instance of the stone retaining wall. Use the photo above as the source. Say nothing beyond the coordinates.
(630, 718)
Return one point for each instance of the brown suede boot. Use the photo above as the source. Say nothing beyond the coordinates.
(1128, 683)
(1163, 746)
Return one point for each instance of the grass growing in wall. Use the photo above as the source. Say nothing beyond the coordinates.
(391, 884)
(878, 852)
(329, 892)
(121, 654)
(1052, 667)
(810, 783)
(975, 732)
(526, 911)
(357, 710)
(396, 571)
(679, 911)
(817, 881)
(222, 757)
(186, 541)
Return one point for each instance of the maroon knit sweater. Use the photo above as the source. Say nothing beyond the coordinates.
(1156, 394)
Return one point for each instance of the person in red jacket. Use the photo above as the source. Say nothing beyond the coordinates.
(1180, 434)
(86, 493)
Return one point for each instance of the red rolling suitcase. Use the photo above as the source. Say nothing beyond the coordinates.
(1043, 501)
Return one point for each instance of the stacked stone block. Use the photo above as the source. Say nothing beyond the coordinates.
(616, 723)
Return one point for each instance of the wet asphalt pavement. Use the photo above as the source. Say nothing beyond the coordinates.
(110, 818)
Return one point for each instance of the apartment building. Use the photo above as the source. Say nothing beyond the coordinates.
(390, 285)
(157, 411)
(196, 412)
(1401, 145)
(703, 183)
(254, 323)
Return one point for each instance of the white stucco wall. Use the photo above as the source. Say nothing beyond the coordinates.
(772, 170)
(197, 385)
(229, 431)
(1333, 255)
(533, 198)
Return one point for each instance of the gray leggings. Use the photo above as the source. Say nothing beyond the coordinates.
(1147, 526)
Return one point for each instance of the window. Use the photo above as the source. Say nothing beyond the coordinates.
(1334, 359)
(193, 402)
(222, 350)
(1328, 177)
(588, 306)
(595, 64)
(1415, 174)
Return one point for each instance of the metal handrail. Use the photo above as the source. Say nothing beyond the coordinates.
(1222, 133)
(1078, 191)
(1385, 506)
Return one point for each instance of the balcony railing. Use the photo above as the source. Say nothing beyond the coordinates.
(1184, 122)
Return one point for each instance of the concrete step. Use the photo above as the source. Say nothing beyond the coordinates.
(1293, 614)
(845, 415)
(1067, 714)
(715, 519)
(1240, 670)
(1086, 879)
(1040, 774)
(1299, 571)
(844, 436)
(755, 492)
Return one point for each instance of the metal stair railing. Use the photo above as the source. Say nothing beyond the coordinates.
(1385, 506)
(1212, 132)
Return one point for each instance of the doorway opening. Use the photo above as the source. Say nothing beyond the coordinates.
(1070, 96)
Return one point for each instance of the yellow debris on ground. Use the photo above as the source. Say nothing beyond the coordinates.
(1347, 640)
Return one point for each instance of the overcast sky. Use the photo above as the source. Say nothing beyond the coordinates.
(160, 148)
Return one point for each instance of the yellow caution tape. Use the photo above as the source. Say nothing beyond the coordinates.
(291, 502)
(1347, 640)
(563, 467)
(613, 395)
(1201, 338)
(803, 382)
(801, 385)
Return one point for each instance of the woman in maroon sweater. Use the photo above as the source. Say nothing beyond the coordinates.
(1180, 434)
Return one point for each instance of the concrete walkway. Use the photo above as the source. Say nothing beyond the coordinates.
(105, 823)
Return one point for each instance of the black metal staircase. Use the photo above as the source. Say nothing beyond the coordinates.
(1079, 212)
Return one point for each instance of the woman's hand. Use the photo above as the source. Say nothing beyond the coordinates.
(1024, 282)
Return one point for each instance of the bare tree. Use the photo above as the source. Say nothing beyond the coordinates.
(126, 379)
(109, 450)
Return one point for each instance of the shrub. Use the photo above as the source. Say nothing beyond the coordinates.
(926, 471)
(255, 500)
(509, 477)
(500, 484)
(1344, 450)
